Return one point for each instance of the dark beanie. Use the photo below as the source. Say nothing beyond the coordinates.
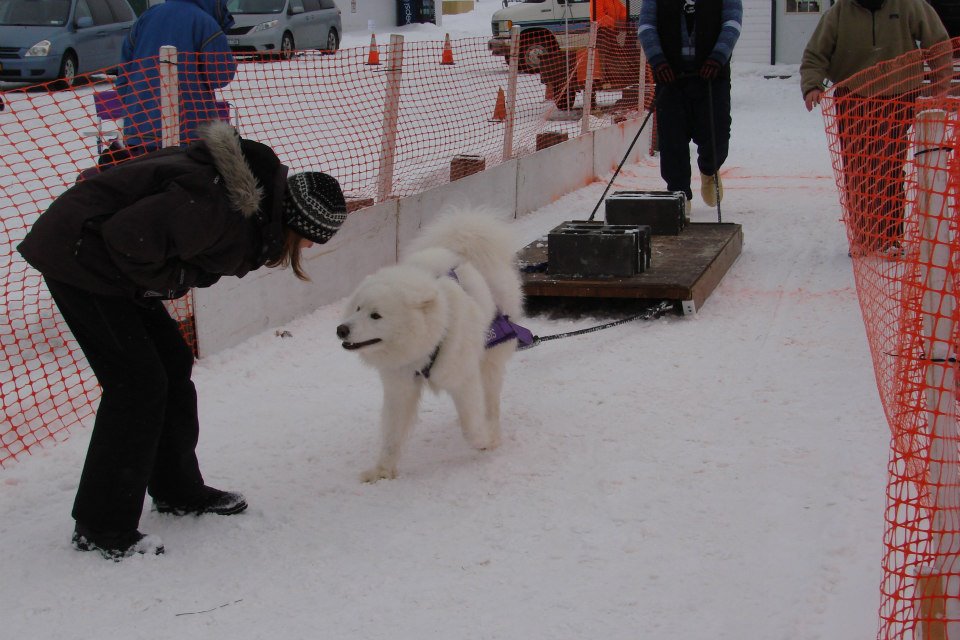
(314, 206)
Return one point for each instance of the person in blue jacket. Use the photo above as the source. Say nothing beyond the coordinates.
(689, 44)
(197, 28)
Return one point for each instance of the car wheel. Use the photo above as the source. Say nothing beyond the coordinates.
(532, 49)
(286, 46)
(333, 42)
(67, 75)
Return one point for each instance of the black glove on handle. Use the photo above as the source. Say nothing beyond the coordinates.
(710, 69)
(663, 73)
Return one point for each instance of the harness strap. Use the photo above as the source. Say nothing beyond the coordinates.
(425, 372)
(501, 330)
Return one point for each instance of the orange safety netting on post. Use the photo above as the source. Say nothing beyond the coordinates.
(894, 135)
(386, 123)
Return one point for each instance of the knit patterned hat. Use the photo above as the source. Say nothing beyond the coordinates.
(314, 206)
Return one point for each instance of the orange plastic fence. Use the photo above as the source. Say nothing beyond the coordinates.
(894, 134)
(332, 112)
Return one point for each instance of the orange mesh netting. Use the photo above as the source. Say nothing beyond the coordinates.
(893, 134)
(425, 114)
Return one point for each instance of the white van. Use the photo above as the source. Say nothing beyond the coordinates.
(545, 26)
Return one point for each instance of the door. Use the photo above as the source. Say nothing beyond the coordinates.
(298, 26)
(311, 25)
(796, 21)
(92, 44)
(573, 16)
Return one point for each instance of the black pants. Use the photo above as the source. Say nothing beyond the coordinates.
(686, 112)
(146, 429)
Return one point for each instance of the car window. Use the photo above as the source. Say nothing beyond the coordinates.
(311, 5)
(83, 10)
(256, 6)
(121, 10)
(296, 4)
(32, 13)
(101, 12)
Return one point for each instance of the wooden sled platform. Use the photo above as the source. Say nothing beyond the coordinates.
(685, 268)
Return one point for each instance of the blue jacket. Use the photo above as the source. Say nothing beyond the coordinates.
(665, 39)
(197, 29)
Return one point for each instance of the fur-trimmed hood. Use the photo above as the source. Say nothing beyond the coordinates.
(223, 143)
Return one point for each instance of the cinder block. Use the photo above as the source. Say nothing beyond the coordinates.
(664, 211)
(596, 249)
(357, 202)
(464, 165)
(550, 138)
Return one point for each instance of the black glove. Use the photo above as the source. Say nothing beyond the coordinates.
(710, 69)
(664, 73)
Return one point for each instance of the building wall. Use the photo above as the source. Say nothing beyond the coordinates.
(355, 14)
(757, 34)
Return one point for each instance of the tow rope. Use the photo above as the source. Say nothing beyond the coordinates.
(652, 312)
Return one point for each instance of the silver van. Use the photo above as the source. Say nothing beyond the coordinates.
(277, 28)
(57, 39)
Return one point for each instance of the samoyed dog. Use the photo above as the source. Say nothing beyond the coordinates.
(425, 322)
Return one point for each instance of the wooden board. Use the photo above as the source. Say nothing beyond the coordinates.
(685, 268)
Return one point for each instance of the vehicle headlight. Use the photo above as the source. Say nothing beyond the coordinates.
(40, 49)
(505, 26)
(263, 26)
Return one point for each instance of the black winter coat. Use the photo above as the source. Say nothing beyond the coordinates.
(161, 223)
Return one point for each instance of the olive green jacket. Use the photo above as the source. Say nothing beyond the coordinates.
(850, 38)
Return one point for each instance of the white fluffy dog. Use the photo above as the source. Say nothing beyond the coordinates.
(425, 321)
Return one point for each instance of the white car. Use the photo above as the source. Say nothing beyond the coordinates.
(277, 28)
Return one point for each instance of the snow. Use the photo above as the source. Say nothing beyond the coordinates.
(716, 476)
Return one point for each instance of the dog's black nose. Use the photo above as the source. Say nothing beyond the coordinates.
(343, 331)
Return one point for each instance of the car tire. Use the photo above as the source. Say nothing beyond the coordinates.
(333, 42)
(532, 49)
(67, 75)
(287, 46)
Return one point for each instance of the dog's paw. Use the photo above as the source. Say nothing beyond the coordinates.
(378, 473)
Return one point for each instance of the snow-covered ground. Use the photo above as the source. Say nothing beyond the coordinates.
(719, 476)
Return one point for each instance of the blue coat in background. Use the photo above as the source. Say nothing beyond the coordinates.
(197, 29)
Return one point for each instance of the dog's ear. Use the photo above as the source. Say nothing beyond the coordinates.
(423, 296)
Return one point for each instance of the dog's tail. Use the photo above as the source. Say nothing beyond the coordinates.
(487, 243)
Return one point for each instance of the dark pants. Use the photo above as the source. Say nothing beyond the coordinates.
(686, 112)
(873, 146)
(146, 429)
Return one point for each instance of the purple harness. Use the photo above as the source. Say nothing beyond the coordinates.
(501, 330)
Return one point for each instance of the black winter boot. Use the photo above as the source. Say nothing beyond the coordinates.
(116, 545)
(209, 500)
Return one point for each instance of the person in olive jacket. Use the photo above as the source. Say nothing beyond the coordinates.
(110, 249)
(874, 110)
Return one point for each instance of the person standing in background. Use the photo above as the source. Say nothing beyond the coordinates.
(197, 28)
(875, 112)
(689, 44)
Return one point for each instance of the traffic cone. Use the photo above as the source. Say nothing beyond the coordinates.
(447, 56)
(374, 56)
(500, 109)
